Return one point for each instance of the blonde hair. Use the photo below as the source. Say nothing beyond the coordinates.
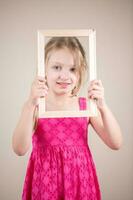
(75, 47)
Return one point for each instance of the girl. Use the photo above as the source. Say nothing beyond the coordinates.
(61, 165)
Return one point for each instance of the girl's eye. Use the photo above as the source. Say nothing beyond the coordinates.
(56, 67)
(73, 69)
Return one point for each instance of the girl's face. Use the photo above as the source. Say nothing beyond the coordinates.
(62, 74)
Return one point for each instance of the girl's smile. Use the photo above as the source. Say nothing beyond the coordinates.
(63, 85)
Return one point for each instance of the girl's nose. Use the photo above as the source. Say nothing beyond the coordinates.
(64, 74)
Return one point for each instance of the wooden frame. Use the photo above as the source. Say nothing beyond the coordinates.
(42, 34)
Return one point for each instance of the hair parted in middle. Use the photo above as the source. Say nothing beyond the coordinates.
(73, 44)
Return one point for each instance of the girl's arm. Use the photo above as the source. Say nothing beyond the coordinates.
(105, 124)
(22, 134)
(107, 128)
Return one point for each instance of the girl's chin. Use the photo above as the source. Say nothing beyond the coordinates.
(63, 92)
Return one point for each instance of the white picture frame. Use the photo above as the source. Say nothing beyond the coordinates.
(41, 35)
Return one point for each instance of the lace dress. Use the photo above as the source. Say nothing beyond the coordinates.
(61, 166)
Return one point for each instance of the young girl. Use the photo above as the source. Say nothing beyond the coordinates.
(61, 166)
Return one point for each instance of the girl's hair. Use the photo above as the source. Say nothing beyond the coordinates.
(75, 47)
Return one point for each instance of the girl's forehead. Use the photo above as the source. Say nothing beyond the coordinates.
(61, 56)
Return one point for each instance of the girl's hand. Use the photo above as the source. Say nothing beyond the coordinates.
(96, 92)
(38, 90)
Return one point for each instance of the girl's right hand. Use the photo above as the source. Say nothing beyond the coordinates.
(38, 89)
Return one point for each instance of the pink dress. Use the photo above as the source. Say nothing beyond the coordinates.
(61, 166)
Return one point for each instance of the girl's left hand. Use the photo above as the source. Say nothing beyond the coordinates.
(96, 92)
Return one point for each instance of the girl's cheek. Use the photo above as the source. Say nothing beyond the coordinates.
(75, 80)
(75, 76)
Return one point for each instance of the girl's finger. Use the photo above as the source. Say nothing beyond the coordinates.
(94, 93)
(42, 85)
(43, 90)
(95, 87)
(96, 96)
(98, 82)
(38, 81)
(43, 94)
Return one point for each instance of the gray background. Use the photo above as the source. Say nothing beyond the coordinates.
(113, 21)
